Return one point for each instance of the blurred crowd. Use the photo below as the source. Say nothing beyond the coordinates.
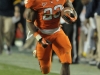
(84, 34)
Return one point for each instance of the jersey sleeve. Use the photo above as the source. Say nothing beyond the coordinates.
(29, 3)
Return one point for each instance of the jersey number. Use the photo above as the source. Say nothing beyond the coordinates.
(50, 10)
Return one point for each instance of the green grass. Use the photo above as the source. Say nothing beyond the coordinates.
(23, 63)
(15, 70)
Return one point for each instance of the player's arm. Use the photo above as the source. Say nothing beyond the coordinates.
(68, 3)
(31, 17)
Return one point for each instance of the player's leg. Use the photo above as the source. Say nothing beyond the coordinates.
(62, 48)
(44, 57)
(65, 69)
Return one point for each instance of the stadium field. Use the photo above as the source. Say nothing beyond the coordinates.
(23, 63)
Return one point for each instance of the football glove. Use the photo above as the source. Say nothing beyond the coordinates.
(69, 15)
(44, 42)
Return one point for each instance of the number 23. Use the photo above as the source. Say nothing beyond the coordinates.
(51, 12)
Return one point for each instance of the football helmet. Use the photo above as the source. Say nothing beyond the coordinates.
(69, 15)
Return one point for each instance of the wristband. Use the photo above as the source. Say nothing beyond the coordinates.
(37, 36)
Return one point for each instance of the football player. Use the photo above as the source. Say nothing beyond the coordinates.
(43, 18)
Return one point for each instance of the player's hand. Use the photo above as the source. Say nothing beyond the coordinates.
(41, 40)
(44, 42)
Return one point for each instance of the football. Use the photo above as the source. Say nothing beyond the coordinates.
(69, 15)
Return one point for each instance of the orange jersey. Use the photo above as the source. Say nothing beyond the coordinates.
(48, 12)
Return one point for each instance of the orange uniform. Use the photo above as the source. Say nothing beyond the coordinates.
(46, 7)
(48, 17)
